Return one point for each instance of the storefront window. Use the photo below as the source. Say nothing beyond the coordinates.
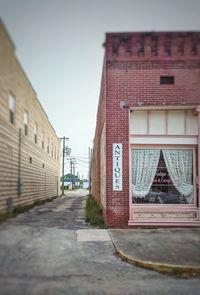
(162, 176)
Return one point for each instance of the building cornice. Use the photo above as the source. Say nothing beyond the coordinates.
(153, 45)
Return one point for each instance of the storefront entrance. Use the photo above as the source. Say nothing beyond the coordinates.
(163, 171)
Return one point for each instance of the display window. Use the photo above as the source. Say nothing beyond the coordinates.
(162, 176)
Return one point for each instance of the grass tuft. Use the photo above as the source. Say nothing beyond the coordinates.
(94, 213)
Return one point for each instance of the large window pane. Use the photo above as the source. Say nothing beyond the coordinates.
(173, 180)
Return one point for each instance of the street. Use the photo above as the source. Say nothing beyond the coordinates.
(51, 250)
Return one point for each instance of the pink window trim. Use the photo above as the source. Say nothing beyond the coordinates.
(194, 205)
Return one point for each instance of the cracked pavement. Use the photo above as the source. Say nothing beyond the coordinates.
(40, 254)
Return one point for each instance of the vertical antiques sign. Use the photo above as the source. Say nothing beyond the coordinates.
(117, 166)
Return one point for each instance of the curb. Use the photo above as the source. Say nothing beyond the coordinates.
(171, 269)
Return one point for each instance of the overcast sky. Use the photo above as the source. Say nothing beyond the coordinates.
(59, 45)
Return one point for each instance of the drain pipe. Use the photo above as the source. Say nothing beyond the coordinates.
(20, 180)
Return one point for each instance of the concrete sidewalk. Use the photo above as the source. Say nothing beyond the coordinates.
(175, 251)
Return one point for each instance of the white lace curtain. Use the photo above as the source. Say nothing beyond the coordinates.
(144, 163)
(179, 166)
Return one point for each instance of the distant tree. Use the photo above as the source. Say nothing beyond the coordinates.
(69, 177)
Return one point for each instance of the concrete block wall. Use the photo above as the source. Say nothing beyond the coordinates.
(37, 166)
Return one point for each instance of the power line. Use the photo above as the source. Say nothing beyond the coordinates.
(80, 157)
(83, 161)
(82, 165)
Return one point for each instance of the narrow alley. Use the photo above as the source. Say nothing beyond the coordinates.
(51, 250)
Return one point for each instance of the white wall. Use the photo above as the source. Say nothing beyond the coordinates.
(163, 122)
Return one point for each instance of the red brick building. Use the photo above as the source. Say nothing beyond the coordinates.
(147, 142)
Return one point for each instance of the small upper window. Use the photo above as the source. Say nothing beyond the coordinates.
(35, 132)
(48, 145)
(26, 123)
(12, 109)
(42, 139)
(167, 80)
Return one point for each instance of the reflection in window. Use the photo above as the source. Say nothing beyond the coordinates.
(26, 123)
(162, 176)
(12, 109)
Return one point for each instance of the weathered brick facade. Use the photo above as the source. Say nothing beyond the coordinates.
(29, 162)
(134, 63)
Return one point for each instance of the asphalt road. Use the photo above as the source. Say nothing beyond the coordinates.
(50, 250)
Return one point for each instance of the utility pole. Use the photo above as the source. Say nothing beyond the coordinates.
(89, 167)
(63, 161)
(74, 173)
(71, 172)
(78, 180)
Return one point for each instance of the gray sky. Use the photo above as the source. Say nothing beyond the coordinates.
(59, 45)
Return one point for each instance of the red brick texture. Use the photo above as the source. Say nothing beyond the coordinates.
(133, 65)
(101, 117)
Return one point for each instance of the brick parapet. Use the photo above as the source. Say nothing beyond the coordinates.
(153, 46)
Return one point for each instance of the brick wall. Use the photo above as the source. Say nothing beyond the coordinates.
(133, 66)
(100, 121)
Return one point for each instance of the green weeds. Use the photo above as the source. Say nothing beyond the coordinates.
(93, 213)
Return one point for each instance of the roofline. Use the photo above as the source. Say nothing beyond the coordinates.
(25, 75)
(151, 32)
(8, 35)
